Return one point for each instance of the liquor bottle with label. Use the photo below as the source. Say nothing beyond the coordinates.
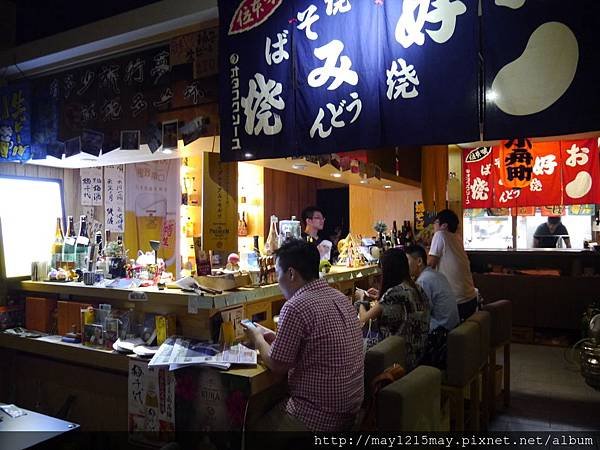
(83, 242)
(242, 225)
(68, 255)
(272, 242)
(57, 246)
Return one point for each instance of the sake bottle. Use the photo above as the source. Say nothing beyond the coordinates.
(57, 246)
(272, 242)
(69, 243)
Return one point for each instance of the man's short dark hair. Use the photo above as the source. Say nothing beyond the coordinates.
(302, 256)
(449, 217)
(308, 212)
(554, 220)
(417, 251)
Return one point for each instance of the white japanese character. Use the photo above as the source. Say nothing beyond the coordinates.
(262, 97)
(510, 195)
(544, 165)
(399, 80)
(486, 169)
(535, 185)
(335, 123)
(479, 189)
(409, 27)
(356, 103)
(279, 53)
(330, 53)
(335, 6)
(497, 162)
(579, 156)
(306, 19)
(256, 7)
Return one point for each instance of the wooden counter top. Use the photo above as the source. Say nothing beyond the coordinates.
(258, 377)
(177, 297)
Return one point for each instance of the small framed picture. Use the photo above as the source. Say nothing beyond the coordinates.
(73, 146)
(130, 140)
(169, 138)
(91, 142)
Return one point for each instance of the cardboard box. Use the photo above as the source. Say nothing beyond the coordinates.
(40, 314)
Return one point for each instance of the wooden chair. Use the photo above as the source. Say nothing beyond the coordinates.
(484, 322)
(501, 315)
(462, 371)
(411, 403)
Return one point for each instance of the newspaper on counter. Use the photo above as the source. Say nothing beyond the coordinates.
(177, 352)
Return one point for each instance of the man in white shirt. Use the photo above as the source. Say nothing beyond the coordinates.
(448, 256)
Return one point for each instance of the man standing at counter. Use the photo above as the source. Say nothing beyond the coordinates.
(319, 345)
(313, 221)
(547, 234)
(448, 255)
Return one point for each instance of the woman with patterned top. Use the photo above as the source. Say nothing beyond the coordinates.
(404, 308)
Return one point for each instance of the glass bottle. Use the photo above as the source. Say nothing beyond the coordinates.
(83, 242)
(57, 246)
(69, 243)
(272, 242)
(394, 234)
(242, 225)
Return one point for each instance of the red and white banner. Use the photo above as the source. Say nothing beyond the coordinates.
(520, 173)
(477, 177)
(580, 172)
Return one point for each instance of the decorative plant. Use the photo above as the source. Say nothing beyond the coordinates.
(380, 226)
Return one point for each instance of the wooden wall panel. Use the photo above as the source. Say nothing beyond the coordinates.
(370, 205)
(287, 194)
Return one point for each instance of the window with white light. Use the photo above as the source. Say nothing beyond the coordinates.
(28, 212)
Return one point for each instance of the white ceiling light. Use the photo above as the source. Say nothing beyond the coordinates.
(336, 175)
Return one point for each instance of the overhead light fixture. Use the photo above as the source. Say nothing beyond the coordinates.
(364, 181)
(297, 166)
(248, 155)
(167, 151)
(387, 186)
(491, 96)
(336, 175)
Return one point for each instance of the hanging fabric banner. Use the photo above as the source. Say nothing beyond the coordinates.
(15, 122)
(477, 178)
(581, 171)
(540, 64)
(298, 78)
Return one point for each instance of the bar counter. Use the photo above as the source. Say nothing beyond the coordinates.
(43, 374)
(549, 288)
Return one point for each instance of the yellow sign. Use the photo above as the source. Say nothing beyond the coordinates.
(219, 206)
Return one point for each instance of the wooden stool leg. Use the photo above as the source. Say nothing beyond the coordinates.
(458, 405)
(492, 381)
(485, 396)
(507, 375)
(474, 404)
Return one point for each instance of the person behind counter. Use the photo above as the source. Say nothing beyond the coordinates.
(547, 234)
(319, 345)
(447, 255)
(313, 220)
(403, 309)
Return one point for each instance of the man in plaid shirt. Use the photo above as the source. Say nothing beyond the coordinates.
(318, 344)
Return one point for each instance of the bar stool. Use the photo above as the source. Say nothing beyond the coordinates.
(392, 350)
(484, 322)
(462, 370)
(411, 403)
(501, 314)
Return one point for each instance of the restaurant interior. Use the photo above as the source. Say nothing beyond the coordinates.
(144, 197)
